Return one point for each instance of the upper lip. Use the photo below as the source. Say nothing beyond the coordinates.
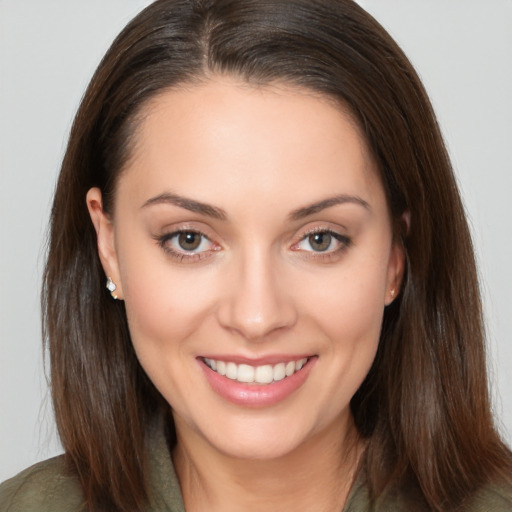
(257, 361)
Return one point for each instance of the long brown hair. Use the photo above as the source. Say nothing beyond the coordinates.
(424, 405)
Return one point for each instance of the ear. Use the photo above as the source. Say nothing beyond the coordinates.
(396, 264)
(105, 238)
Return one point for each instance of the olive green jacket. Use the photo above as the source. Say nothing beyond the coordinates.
(46, 487)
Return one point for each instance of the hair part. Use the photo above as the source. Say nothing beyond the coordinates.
(424, 405)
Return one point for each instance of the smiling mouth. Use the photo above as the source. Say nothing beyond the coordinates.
(264, 374)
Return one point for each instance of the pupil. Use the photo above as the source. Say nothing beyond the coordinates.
(320, 241)
(189, 241)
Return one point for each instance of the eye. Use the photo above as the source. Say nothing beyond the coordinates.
(323, 241)
(187, 244)
(320, 242)
(189, 241)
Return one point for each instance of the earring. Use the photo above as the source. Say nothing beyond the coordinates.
(392, 293)
(111, 287)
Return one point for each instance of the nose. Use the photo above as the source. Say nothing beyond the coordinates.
(258, 301)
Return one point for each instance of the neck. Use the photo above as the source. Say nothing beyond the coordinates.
(316, 476)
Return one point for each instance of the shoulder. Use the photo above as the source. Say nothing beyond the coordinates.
(492, 498)
(44, 487)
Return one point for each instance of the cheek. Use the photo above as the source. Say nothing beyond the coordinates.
(164, 310)
(163, 304)
(349, 314)
(350, 304)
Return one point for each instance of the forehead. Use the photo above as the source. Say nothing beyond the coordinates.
(229, 136)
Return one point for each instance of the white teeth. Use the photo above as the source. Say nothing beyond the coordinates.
(264, 374)
(231, 371)
(279, 371)
(299, 364)
(221, 368)
(245, 373)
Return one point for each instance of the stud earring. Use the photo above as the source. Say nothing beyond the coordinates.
(111, 287)
(392, 293)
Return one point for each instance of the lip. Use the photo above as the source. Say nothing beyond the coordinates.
(256, 395)
(257, 361)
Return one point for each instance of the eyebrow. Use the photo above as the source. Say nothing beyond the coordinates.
(218, 213)
(311, 209)
(188, 204)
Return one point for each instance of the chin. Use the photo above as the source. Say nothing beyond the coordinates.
(262, 448)
(259, 438)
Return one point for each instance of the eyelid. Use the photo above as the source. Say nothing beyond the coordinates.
(344, 241)
(184, 256)
(320, 228)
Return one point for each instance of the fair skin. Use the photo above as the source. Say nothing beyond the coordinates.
(250, 230)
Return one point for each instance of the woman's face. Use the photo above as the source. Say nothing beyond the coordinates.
(251, 236)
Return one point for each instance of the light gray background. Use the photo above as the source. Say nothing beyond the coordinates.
(50, 48)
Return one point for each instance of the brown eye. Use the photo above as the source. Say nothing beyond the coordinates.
(320, 242)
(187, 246)
(323, 242)
(189, 241)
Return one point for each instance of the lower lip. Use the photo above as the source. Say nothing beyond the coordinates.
(256, 395)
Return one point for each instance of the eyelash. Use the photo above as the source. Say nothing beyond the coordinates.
(191, 256)
(327, 255)
(185, 256)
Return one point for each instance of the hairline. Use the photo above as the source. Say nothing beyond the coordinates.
(135, 120)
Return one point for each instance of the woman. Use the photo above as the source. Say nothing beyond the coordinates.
(292, 317)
